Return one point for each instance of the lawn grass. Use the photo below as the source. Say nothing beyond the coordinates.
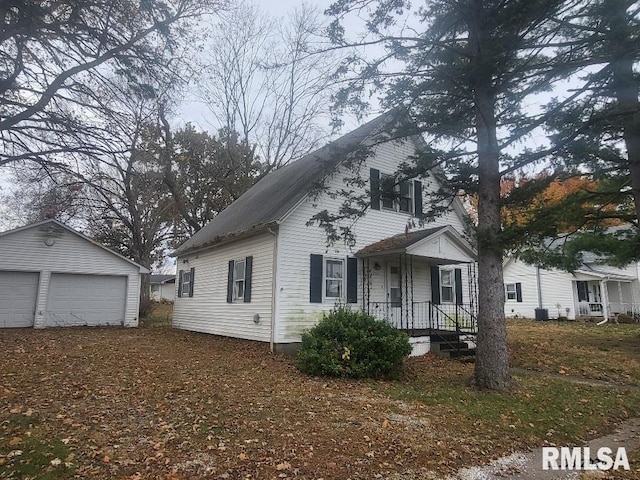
(154, 402)
(607, 352)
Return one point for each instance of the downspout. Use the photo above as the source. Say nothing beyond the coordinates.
(538, 286)
(274, 273)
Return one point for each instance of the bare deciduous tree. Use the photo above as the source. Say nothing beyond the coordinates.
(263, 80)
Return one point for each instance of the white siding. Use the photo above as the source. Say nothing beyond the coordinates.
(25, 250)
(294, 312)
(556, 289)
(208, 311)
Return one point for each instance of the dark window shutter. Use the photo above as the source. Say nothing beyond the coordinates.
(248, 269)
(374, 184)
(519, 292)
(352, 280)
(193, 271)
(458, 285)
(435, 285)
(417, 197)
(315, 279)
(180, 282)
(230, 282)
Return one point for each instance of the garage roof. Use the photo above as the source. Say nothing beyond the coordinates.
(53, 226)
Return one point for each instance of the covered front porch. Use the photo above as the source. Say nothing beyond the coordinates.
(422, 282)
(605, 295)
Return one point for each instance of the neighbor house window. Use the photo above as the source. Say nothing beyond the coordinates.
(239, 279)
(447, 283)
(333, 278)
(513, 291)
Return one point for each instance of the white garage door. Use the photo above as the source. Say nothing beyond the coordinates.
(18, 292)
(86, 300)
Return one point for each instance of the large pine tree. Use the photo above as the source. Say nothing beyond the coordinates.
(466, 75)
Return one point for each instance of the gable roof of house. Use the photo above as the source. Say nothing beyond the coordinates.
(52, 225)
(414, 242)
(272, 197)
(397, 242)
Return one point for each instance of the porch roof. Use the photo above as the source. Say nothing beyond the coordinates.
(587, 271)
(442, 244)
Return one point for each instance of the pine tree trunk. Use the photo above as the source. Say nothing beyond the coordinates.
(492, 357)
(626, 89)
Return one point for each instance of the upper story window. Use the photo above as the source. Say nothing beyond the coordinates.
(405, 201)
(389, 194)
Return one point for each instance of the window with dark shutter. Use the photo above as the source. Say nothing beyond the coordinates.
(352, 280)
(192, 277)
(247, 278)
(230, 282)
(374, 185)
(315, 277)
(458, 285)
(519, 292)
(435, 284)
(417, 197)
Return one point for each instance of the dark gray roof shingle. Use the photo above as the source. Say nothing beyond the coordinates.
(269, 200)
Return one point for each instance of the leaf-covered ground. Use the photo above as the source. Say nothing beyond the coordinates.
(160, 403)
(607, 352)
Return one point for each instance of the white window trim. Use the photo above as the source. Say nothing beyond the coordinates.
(412, 202)
(451, 285)
(342, 296)
(237, 297)
(397, 195)
(185, 292)
(507, 291)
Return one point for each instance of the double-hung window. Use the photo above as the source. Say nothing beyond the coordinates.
(513, 291)
(333, 278)
(185, 287)
(447, 284)
(388, 192)
(406, 197)
(239, 279)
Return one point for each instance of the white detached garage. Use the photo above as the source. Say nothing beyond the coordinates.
(51, 275)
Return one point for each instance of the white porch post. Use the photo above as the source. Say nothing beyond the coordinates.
(604, 299)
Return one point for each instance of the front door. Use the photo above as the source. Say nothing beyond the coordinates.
(394, 286)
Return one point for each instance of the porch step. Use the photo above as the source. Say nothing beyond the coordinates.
(451, 348)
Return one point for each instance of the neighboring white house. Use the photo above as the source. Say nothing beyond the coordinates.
(52, 275)
(593, 290)
(163, 287)
(258, 272)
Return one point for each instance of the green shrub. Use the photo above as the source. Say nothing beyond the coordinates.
(353, 344)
